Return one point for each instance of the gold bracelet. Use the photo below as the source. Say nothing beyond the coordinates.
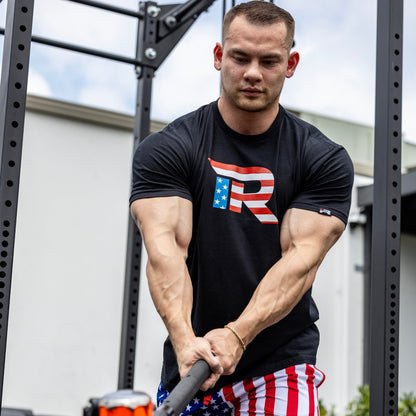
(240, 340)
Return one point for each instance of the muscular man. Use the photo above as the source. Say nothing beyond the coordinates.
(238, 204)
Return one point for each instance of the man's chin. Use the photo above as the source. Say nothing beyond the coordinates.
(252, 106)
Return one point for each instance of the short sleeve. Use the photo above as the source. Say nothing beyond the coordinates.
(328, 179)
(160, 167)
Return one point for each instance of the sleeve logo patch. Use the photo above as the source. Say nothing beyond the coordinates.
(325, 211)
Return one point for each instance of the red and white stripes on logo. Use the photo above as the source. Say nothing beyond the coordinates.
(255, 201)
(288, 392)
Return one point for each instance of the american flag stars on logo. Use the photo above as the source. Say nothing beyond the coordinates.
(221, 193)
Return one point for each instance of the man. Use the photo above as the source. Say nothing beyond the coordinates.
(238, 204)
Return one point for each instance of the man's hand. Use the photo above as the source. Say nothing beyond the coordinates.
(188, 355)
(226, 347)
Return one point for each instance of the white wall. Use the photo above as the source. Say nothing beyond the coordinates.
(65, 316)
(338, 292)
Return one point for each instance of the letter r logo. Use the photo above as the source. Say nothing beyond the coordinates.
(255, 202)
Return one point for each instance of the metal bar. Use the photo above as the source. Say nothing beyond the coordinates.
(146, 35)
(109, 7)
(130, 308)
(185, 390)
(367, 290)
(365, 193)
(14, 75)
(385, 276)
(88, 51)
(134, 246)
(182, 9)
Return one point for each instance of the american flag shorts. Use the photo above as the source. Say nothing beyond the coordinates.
(288, 392)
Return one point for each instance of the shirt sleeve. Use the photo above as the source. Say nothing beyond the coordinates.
(160, 167)
(328, 177)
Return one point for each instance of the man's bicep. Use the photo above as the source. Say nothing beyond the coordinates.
(309, 231)
(164, 221)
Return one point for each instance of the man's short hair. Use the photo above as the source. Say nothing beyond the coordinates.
(261, 13)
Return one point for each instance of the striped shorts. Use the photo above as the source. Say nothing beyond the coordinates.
(288, 392)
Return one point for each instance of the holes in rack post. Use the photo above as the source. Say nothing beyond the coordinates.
(392, 312)
(16, 63)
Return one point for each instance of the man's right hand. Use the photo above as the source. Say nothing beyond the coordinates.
(194, 350)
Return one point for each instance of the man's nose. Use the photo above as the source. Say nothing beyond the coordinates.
(253, 72)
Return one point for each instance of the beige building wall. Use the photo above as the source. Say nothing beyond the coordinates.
(358, 139)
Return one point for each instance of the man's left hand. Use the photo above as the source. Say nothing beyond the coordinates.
(226, 347)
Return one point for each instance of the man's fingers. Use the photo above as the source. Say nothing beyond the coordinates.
(215, 364)
(216, 371)
(210, 382)
(200, 349)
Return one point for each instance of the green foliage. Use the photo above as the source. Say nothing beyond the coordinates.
(361, 404)
(407, 405)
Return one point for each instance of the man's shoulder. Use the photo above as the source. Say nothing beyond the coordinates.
(191, 119)
(311, 134)
(303, 126)
(183, 130)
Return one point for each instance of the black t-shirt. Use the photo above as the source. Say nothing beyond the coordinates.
(240, 187)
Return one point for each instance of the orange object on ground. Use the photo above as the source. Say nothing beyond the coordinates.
(126, 403)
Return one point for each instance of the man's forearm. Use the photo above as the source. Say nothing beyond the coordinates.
(171, 290)
(166, 227)
(277, 294)
(306, 237)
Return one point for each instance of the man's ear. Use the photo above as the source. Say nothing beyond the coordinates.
(292, 64)
(217, 56)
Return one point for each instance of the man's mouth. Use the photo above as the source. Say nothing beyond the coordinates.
(252, 92)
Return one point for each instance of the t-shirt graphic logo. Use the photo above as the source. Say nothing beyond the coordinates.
(255, 202)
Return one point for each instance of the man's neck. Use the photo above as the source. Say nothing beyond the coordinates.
(247, 122)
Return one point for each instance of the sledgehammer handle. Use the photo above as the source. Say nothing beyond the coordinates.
(185, 390)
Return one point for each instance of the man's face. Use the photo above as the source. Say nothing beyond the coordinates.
(254, 62)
